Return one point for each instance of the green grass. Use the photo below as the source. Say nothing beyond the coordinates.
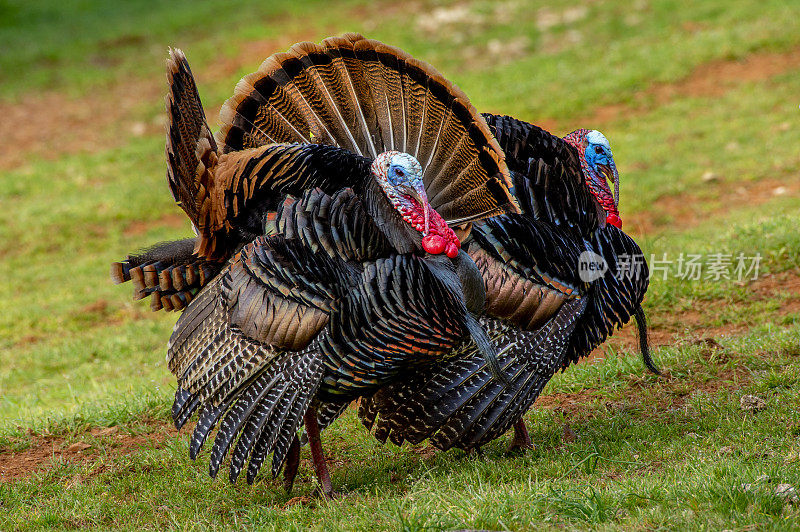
(651, 453)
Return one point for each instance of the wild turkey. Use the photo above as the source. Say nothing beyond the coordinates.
(541, 312)
(324, 261)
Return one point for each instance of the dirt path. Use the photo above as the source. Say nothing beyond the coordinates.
(707, 80)
(98, 446)
(50, 125)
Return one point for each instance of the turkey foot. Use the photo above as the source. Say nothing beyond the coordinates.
(317, 456)
(292, 464)
(522, 440)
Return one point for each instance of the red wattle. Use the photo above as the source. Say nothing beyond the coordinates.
(452, 250)
(614, 220)
(434, 244)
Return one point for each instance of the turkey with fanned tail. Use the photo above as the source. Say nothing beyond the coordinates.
(324, 267)
(543, 310)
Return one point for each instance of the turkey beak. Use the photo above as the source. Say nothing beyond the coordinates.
(609, 171)
(422, 198)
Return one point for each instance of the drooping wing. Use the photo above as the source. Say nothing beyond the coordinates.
(546, 172)
(239, 348)
(246, 351)
(368, 98)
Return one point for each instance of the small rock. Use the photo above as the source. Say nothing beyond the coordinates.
(78, 447)
(569, 435)
(779, 191)
(784, 126)
(301, 500)
(751, 403)
(710, 177)
(108, 431)
(732, 146)
(138, 129)
(788, 492)
(725, 450)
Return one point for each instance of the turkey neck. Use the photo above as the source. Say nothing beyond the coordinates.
(460, 275)
(402, 237)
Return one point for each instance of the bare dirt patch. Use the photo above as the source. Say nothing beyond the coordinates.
(98, 446)
(693, 325)
(686, 210)
(49, 125)
(175, 220)
(777, 285)
(707, 80)
(667, 393)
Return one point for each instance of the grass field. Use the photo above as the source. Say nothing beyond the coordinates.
(700, 102)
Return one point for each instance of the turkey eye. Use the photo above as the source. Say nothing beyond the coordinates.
(399, 173)
(598, 149)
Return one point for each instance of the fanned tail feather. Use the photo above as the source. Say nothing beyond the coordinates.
(191, 148)
(368, 98)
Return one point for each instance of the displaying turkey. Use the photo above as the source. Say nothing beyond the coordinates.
(324, 267)
(543, 312)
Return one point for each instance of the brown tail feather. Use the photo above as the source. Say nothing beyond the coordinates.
(191, 148)
(367, 97)
(170, 273)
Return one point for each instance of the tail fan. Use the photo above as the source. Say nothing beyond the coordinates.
(191, 148)
(548, 182)
(169, 272)
(368, 98)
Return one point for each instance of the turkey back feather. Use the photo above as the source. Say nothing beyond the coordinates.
(528, 267)
(366, 97)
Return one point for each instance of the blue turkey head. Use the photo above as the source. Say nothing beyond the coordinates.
(599, 168)
(400, 177)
